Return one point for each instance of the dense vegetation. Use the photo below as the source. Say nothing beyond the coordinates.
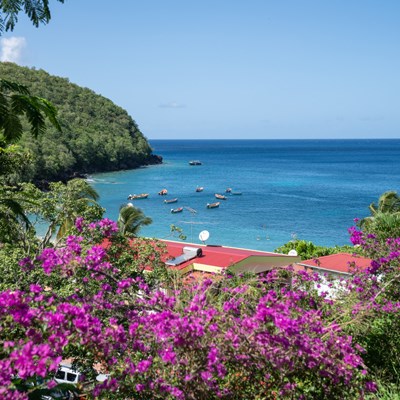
(96, 134)
(266, 337)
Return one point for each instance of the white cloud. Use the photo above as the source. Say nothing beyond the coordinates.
(172, 104)
(12, 48)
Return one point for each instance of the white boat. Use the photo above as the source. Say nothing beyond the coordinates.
(138, 196)
(169, 201)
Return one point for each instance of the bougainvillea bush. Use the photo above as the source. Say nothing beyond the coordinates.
(378, 305)
(272, 337)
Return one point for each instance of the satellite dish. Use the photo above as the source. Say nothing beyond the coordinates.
(292, 253)
(204, 235)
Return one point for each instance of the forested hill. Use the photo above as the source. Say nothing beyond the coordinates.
(97, 135)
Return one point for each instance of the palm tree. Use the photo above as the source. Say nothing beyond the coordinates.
(78, 196)
(131, 219)
(388, 204)
(16, 102)
(11, 215)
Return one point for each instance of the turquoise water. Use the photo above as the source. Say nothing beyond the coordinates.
(309, 189)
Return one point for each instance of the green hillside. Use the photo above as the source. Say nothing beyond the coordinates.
(97, 135)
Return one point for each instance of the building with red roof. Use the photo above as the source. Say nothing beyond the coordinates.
(333, 270)
(189, 258)
(340, 264)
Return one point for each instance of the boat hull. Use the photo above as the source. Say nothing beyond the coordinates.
(171, 201)
(138, 196)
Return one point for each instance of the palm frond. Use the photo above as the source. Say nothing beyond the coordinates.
(49, 111)
(16, 209)
(131, 219)
(388, 201)
(65, 227)
(36, 121)
(83, 190)
(6, 85)
(12, 127)
(372, 208)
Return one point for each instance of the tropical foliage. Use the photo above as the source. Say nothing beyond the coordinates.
(384, 221)
(37, 11)
(131, 219)
(388, 203)
(31, 220)
(96, 134)
(268, 338)
(16, 101)
(17, 105)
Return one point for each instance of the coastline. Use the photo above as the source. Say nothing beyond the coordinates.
(310, 189)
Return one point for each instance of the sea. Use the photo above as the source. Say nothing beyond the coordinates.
(291, 189)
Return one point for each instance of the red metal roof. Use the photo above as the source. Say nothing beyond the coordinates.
(212, 256)
(341, 262)
(216, 256)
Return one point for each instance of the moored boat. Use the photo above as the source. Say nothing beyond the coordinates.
(194, 162)
(236, 193)
(220, 196)
(213, 205)
(169, 201)
(176, 210)
(228, 190)
(138, 196)
(199, 189)
(163, 192)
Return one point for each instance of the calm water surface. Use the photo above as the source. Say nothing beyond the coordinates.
(309, 189)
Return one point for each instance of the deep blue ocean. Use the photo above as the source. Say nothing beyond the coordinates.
(304, 189)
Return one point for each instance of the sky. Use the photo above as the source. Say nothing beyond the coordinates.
(228, 69)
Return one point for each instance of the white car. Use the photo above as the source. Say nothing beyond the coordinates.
(66, 374)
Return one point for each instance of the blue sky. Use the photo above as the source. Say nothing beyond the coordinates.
(229, 69)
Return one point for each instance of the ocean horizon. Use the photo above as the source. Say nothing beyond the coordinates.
(308, 189)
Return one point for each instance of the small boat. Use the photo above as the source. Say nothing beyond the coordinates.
(163, 192)
(228, 190)
(176, 210)
(236, 193)
(199, 189)
(220, 196)
(138, 196)
(195, 162)
(169, 201)
(213, 205)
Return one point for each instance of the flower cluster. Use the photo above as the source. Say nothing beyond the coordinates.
(269, 339)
